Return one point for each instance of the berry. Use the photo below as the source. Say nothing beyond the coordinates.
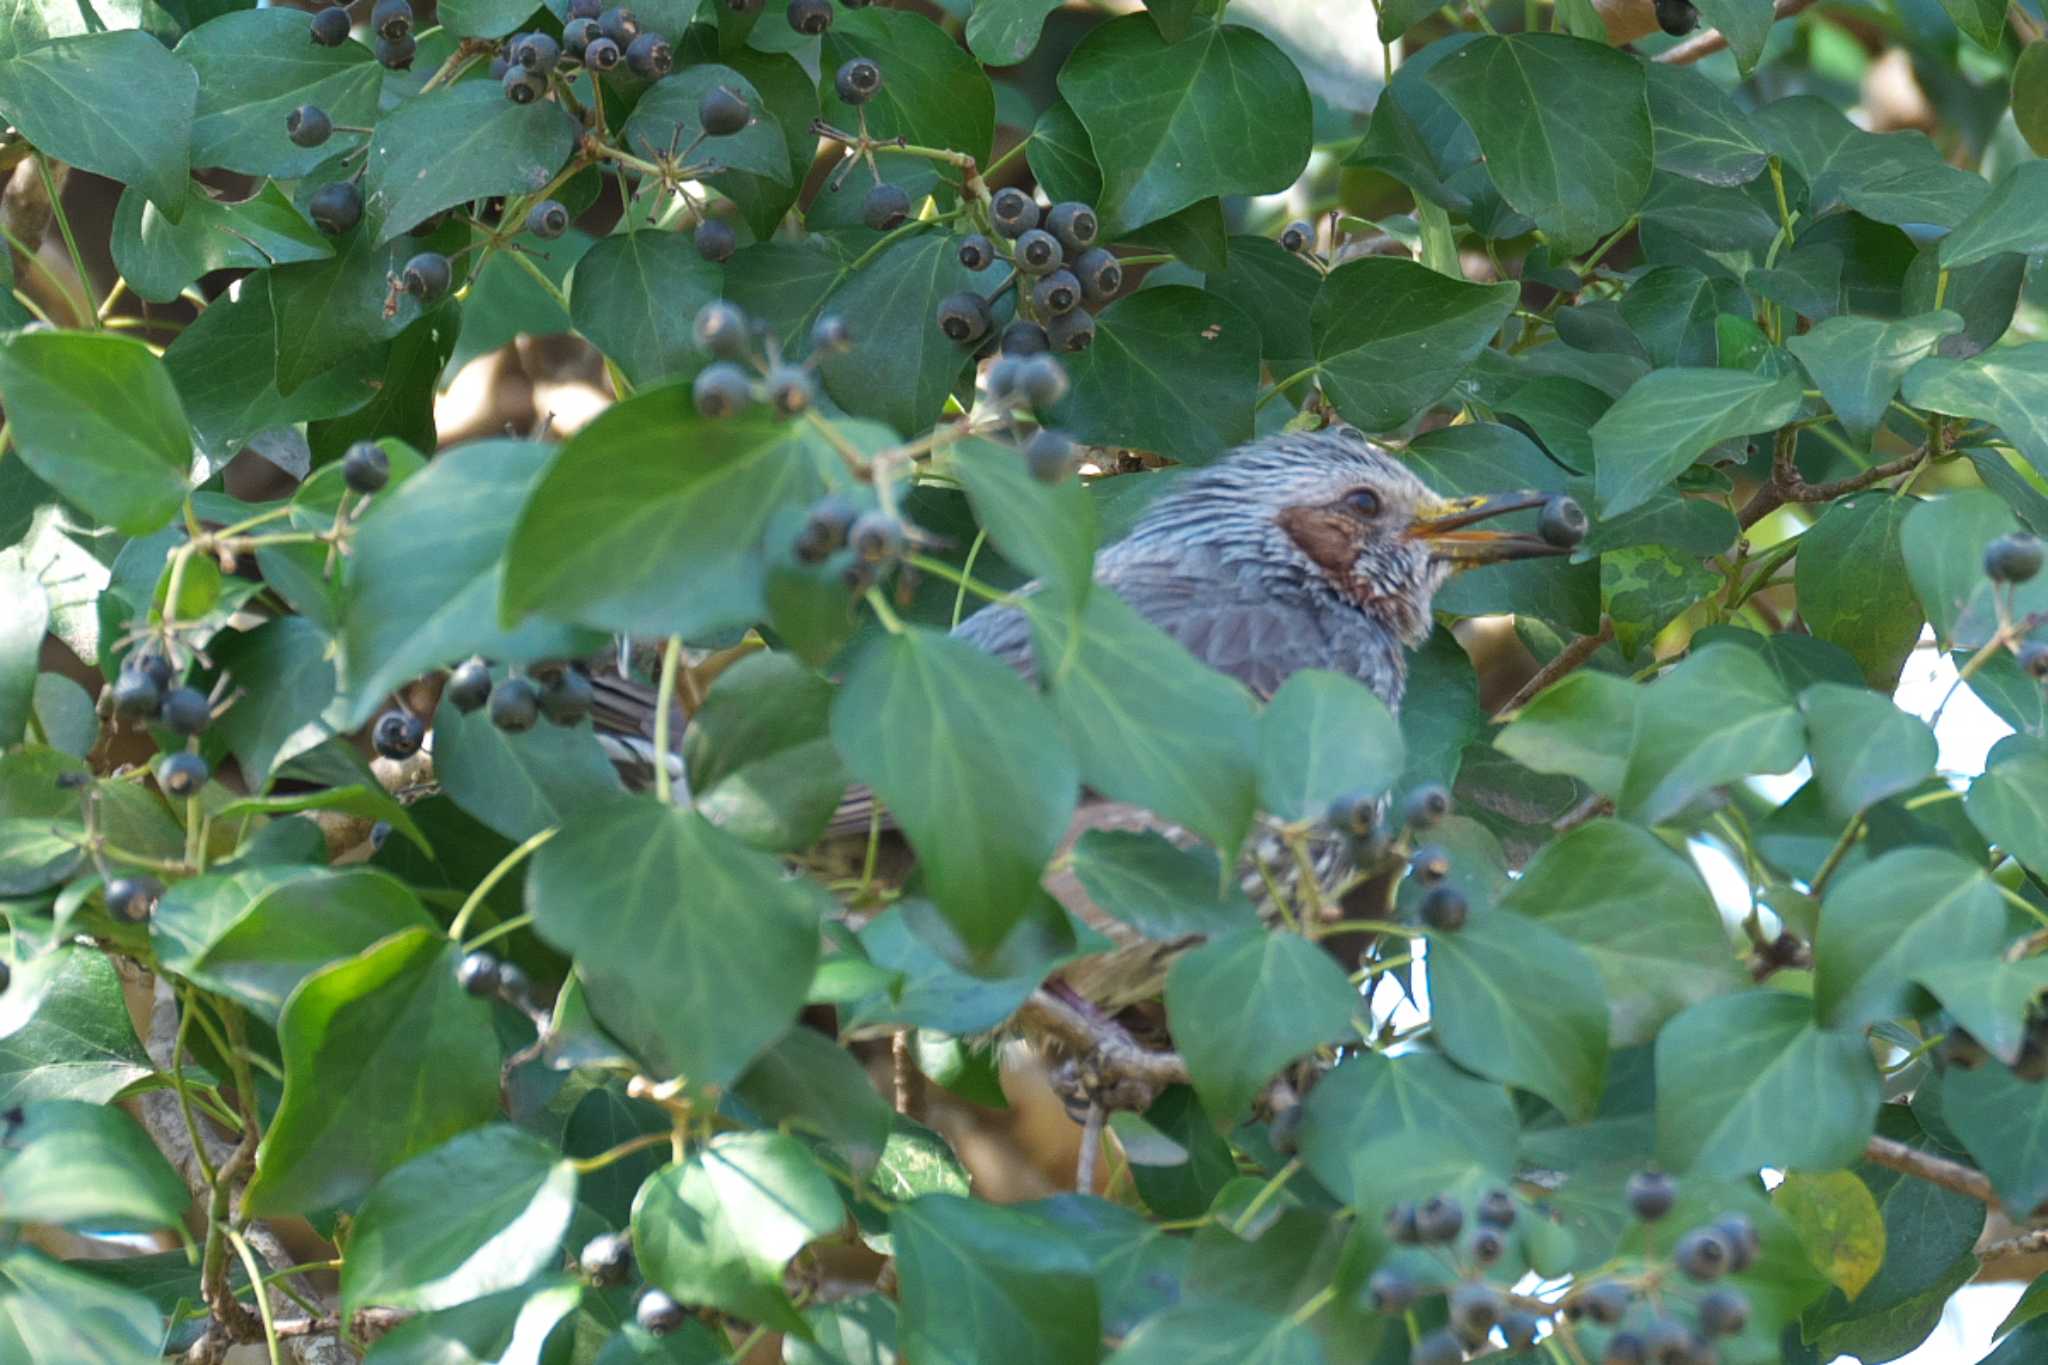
(155, 667)
(715, 239)
(1438, 1218)
(391, 19)
(876, 537)
(1057, 292)
(1430, 865)
(469, 686)
(331, 26)
(500, 64)
(1356, 814)
(335, 208)
(1651, 1195)
(1073, 331)
(789, 389)
(1743, 1243)
(1475, 1307)
(1724, 1312)
(1402, 1225)
(1049, 455)
(1426, 805)
(1024, 337)
(1445, 909)
(620, 25)
(607, 1259)
(130, 898)
(721, 113)
(578, 35)
(396, 54)
(824, 530)
(1013, 212)
(515, 705)
(308, 126)
(1677, 17)
(1520, 1329)
(964, 317)
(1625, 1348)
(1496, 1209)
(2034, 659)
(427, 276)
(650, 57)
(1703, 1254)
(537, 52)
(522, 86)
(186, 710)
(721, 330)
(1487, 1246)
(657, 1313)
(977, 252)
(1298, 237)
(1606, 1302)
(810, 16)
(566, 696)
(885, 206)
(1391, 1291)
(721, 390)
(1562, 523)
(1039, 252)
(398, 734)
(601, 54)
(1044, 380)
(1673, 1343)
(585, 9)
(830, 333)
(858, 80)
(547, 220)
(515, 987)
(1100, 273)
(136, 695)
(181, 775)
(2012, 559)
(478, 974)
(1074, 224)
(1438, 1348)
(365, 468)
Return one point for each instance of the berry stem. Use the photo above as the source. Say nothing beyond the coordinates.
(885, 613)
(466, 52)
(664, 702)
(90, 313)
(1281, 386)
(498, 931)
(965, 582)
(553, 290)
(491, 879)
(585, 1165)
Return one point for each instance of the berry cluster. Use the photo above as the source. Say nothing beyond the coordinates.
(2010, 561)
(607, 1261)
(1476, 1307)
(725, 388)
(1375, 846)
(484, 975)
(1056, 267)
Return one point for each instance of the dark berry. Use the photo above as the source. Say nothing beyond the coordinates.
(469, 686)
(1520, 1329)
(331, 26)
(1100, 273)
(2034, 659)
(1677, 17)
(1440, 1347)
(1743, 1243)
(478, 974)
(1703, 1254)
(1357, 814)
(1673, 1343)
(876, 537)
(500, 64)
(2012, 559)
(308, 126)
(721, 389)
(964, 317)
(1606, 1302)
(650, 57)
(136, 695)
(578, 35)
(721, 113)
(396, 54)
(1723, 1312)
(335, 208)
(1057, 292)
(1475, 1307)
(620, 25)
(607, 1259)
(391, 18)
(515, 987)
(1013, 212)
(886, 206)
(1391, 1291)
(1562, 523)
(1073, 331)
(810, 16)
(566, 696)
(515, 705)
(181, 775)
(1496, 1209)
(427, 276)
(858, 80)
(547, 220)
(1625, 1348)
(977, 252)
(523, 86)
(585, 9)
(1439, 1218)
(1445, 909)
(715, 239)
(130, 898)
(657, 1313)
(1486, 1246)
(155, 667)
(537, 52)
(398, 734)
(1298, 237)
(789, 389)
(601, 54)
(1043, 380)
(721, 330)
(825, 529)
(1403, 1225)
(1425, 806)
(1074, 224)
(830, 333)
(1024, 337)
(1651, 1195)
(1049, 456)
(1039, 252)
(1430, 865)
(186, 710)
(365, 467)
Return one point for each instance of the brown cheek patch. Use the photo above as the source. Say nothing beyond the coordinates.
(1325, 536)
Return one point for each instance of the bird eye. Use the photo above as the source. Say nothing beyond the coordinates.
(1363, 501)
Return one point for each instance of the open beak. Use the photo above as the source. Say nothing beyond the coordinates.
(1443, 527)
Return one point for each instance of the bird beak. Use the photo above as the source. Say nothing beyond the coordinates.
(1442, 524)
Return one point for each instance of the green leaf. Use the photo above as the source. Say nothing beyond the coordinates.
(1519, 1003)
(1172, 369)
(2013, 217)
(2003, 1120)
(1701, 133)
(934, 94)
(858, 1331)
(482, 1212)
(1246, 1004)
(1322, 736)
(1838, 1222)
(70, 1162)
(159, 258)
(65, 1031)
(483, 18)
(1891, 178)
(507, 1328)
(286, 675)
(1160, 890)
(1219, 1333)
(971, 765)
(2030, 95)
(2007, 386)
(901, 367)
(635, 295)
(519, 784)
(1148, 723)
(1050, 531)
(1884, 921)
(385, 1057)
(1392, 337)
(973, 1273)
(407, 613)
(1854, 589)
(1751, 1080)
(1858, 362)
(1222, 112)
(656, 966)
(1276, 289)
(1414, 1097)
(762, 766)
(1575, 726)
(1864, 748)
(1578, 167)
(96, 417)
(809, 1083)
(24, 617)
(1004, 32)
(325, 313)
(256, 66)
(665, 121)
(461, 142)
(1745, 23)
(1982, 20)
(53, 1314)
(1944, 541)
(2008, 803)
(1719, 716)
(1989, 996)
(718, 1228)
(1641, 913)
(113, 103)
(256, 934)
(1669, 418)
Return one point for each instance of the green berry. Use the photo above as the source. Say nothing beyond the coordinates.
(469, 686)
(715, 240)
(331, 26)
(1703, 1254)
(1439, 1218)
(515, 705)
(478, 974)
(186, 710)
(1057, 292)
(1651, 1194)
(607, 1259)
(886, 206)
(335, 208)
(1562, 523)
(657, 1313)
(857, 80)
(547, 220)
(1013, 212)
(365, 467)
(722, 390)
(977, 252)
(1074, 224)
(567, 696)
(1723, 1312)
(650, 57)
(1298, 237)
(131, 898)
(2012, 559)
(427, 276)
(1074, 331)
(398, 734)
(964, 317)
(181, 775)
(721, 112)
(721, 330)
(308, 126)
(1445, 909)
(1039, 252)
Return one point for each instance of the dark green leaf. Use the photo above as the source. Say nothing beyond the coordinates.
(1003, 32)
(1670, 418)
(2008, 803)
(973, 1273)
(1050, 531)
(506, 1328)
(24, 616)
(1989, 996)
(461, 142)
(762, 765)
(1864, 748)
(483, 18)
(665, 122)
(256, 66)
(286, 675)
(1888, 178)
(1580, 726)
(1172, 369)
(1851, 577)
(325, 313)
(1521, 1004)
(2007, 387)
(1219, 1333)
(70, 1162)
(1982, 20)
(519, 784)
(1246, 1004)
(1275, 289)
(1322, 736)
(65, 1031)
(635, 296)
(1858, 362)
(2013, 217)
(1160, 890)
(1745, 23)
(1700, 132)
(54, 1314)
(901, 367)
(1719, 716)
(159, 258)
(114, 103)
(1884, 921)
(808, 1082)
(1416, 1096)
(934, 93)
(2003, 1120)
(1391, 337)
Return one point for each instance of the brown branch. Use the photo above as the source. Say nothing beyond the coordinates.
(1116, 1054)
(1091, 1142)
(1786, 486)
(1568, 658)
(2032, 1242)
(1713, 40)
(1950, 1175)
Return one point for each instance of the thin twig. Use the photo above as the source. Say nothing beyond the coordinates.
(1091, 1141)
(1568, 658)
(1950, 1175)
(1116, 1052)
(1708, 43)
(1786, 486)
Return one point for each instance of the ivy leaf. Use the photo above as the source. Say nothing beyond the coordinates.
(1990, 997)
(54, 1314)
(1322, 736)
(1838, 1221)
(2007, 386)
(385, 1057)
(1519, 1003)
(1745, 23)
(2013, 217)
(1858, 362)
(1160, 890)
(1853, 586)
(464, 141)
(255, 67)
(1983, 21)
(936, 94)
(1575, 727)
(1701, 133)
(1720, 715)
(1004, 32)
(79, 1164)
(974, 1273)
(1219, 1333)
(665, 121)
(1944, 541)
(519, 784)
(324, 313)
(1884, 921)
(113, 103)
(2003, 1120)
(1889, 178)
(1392, 337)
(2007, 801)
(1276, 289)
(1222, 112)
(1417, 1096)
(510, 1327)
(762, 766)
(483, 18)
(65, 1031)
(159, 258)
(1049, 531)
(809, 1082)
(1669, 418)
(901, 367)
(286, 671)
(636, 296)
(24, 617)
(1246, 1004)
(1864, 747)
(1171, 369)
